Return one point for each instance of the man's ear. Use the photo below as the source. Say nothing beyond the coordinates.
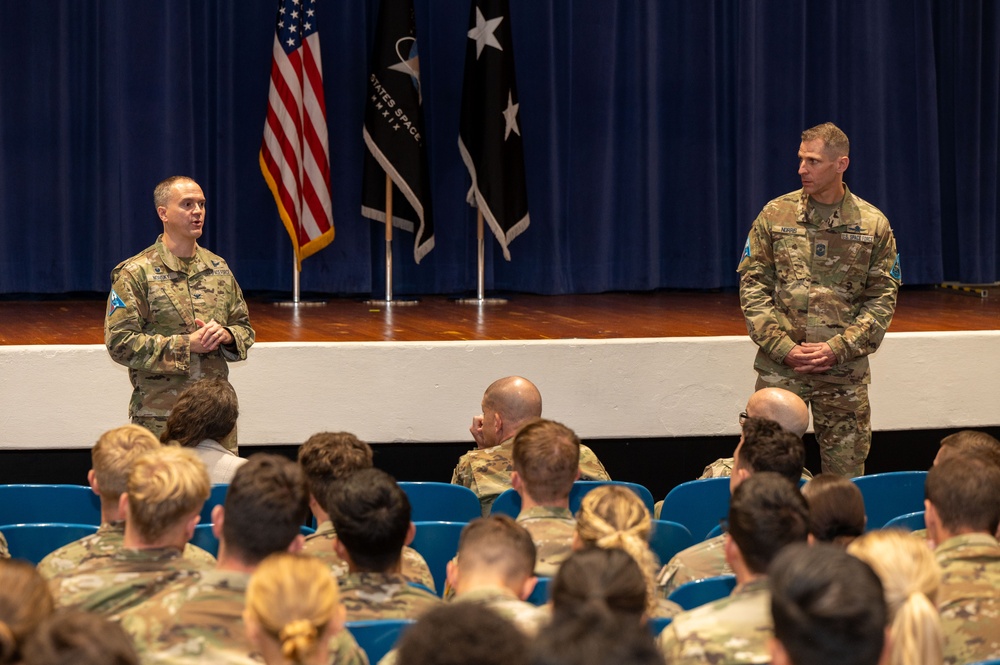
(527, 587)
(123, 505)
(92, 481)
(778, 654)
(843, 163)
(298, 544)
(516, 482)
(411, 533)
(218, 517)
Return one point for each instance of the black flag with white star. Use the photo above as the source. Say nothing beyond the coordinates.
(394, 129)
(490, 130)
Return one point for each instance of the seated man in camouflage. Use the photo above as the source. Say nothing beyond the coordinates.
(112, 458)
(372, 517)
(326, 458)
(494, 568)
(166, 490)
(767, 512)
(199, 620)
(546, 458)
(764, 446)
(508, 404)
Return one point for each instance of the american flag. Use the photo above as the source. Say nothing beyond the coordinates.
(294, 155)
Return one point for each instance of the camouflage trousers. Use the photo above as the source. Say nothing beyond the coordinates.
(841, 420)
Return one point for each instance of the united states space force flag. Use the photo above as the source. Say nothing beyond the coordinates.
(490, 130)
(394, 129)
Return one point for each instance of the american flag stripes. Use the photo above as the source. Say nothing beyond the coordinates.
(294, 154)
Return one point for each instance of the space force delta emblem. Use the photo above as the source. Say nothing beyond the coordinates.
(114, 302)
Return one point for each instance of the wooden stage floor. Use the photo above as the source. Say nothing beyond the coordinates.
(603, 316)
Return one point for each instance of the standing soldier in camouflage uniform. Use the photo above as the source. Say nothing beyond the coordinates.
(508, 404)
(767, 513)
(326, 458)
(175, 312)
(371, 514)
(962, 514)
(111, 459)
(818, 283)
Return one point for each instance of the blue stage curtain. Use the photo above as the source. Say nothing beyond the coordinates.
(655, 131)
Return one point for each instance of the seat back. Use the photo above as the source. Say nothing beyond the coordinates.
(216, 497)
(657, 624)
(698, 504)
(698, 592)
(36, 504)
(378, 636)
(581, 487)
(890, 494)
(33, 542)
(441, 502)
(909, 522)
(437, 542)
(669, 538)
(508, 503)
(540, 595)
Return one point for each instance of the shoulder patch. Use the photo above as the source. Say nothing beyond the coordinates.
(897, 271)
(114, 302)
(746, 249)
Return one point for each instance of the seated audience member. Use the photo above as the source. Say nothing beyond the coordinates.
(326, 458)
(111, 459)
(910, 580)
(494, 568)
(293, 611)
(202, 418)
(967, 443)
(836, 509)
(508, 404)
(599, 601)
(372, 517)
(613, 516)
(76, 637)
(25, 602)
(767, 513)
(764, 446)
(546, 464)
(462, 634)
(162, 504)
(962, 511)
(827, 608)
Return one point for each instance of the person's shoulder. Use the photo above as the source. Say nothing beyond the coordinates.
(783, 203)
(738, 613)
(138, 263)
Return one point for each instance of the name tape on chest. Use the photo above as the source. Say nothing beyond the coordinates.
(788, 230)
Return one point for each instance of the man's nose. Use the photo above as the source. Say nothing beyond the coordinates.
(802, 167)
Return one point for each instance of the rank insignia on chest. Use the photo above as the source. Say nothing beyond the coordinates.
(821, 248)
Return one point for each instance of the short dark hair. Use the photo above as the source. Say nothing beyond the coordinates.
(827, 606)
(836, 508)
(460, 633)
(161, 193)
(327, 457)
(206, 409)
(970, 442)
(76, 637)
(769, 447)
(266, 505)
(834, 140)
(546, 455)
(766, 513)
(965, 492)
(371, 515)
(499, 543)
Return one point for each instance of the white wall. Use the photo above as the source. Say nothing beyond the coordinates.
(64, 396)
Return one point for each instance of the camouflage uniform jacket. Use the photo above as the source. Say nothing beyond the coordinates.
(383, 596)
(114, 584)
(320, 545)
(487, 471)
(706, 559)
(4, 551)
(729, 631)
(108, 539)
(808, 279)
(969, 597)
(154, 301)
(552, 530)
(723, 468)
(527, 617)
(201, 620)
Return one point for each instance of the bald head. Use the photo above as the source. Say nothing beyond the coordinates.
(782, 406)
(508, 404)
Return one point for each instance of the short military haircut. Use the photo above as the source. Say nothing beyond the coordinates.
(827, 606)
(165, 486)
(113, 455)
(971, 443)
(547, 457)
(206, 409)
(371, 515)
(766, 513)
(76, 637)
(769, 447)
(266, 504)
(462, 633)
(834, 140)
(161, 193)
(965, 492)
(500, 544)
(327, 457)
(836, 508)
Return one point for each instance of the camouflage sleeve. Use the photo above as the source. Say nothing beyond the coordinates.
(4, 550)
(669, 646)
(344, 650)
(757, 282)
(865, 334)
(124, 329)
(238, 325)
(462, 475)
(591, 467)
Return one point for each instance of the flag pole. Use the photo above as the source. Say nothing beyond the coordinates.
(388, 253)
(480, 298)
(296, 273)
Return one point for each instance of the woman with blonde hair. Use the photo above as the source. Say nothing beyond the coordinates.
(910, 579)
(293, 609)
(25, 602)
(614, 517)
